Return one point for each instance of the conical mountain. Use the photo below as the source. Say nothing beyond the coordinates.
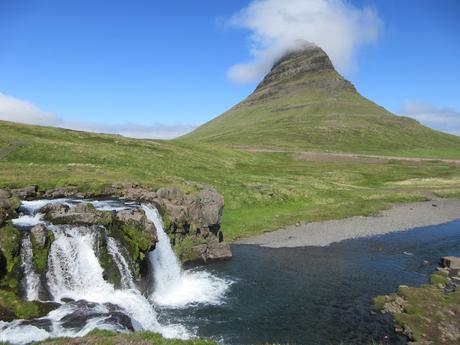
(304, 104)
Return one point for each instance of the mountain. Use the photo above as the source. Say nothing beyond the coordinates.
(304, 104)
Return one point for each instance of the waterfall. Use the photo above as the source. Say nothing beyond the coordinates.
(127, 280)
(174, 287)
(31, 280)
(75, 280)
(74, 272)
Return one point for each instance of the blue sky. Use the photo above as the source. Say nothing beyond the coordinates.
(157, 68)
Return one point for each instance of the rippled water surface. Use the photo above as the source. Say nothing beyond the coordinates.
(318, 295)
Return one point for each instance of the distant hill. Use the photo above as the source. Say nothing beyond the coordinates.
(304, 104)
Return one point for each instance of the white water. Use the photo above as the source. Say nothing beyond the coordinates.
(31, 279)
(127, 280)
(174, 287)
(74, 272)
(28, 220)
(34, 205)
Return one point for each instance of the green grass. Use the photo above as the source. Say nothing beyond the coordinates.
(428, 312)
(100, 337)
(262, 191)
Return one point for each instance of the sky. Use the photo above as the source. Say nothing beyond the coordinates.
(158, 69)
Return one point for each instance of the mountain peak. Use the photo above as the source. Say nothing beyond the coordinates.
(302, 66)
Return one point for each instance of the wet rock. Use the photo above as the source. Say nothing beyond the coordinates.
(25, 193)
(39, 234)
(45, 324)
(81, 214)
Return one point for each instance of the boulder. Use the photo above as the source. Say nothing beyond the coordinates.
(137, 218)
(218, 251)
(39, 234)
(25, 193)
(4, 194)
(450, 262)
(5, 203)
(212, 205)
(81, 214)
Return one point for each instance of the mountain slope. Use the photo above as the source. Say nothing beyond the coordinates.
(304, 104)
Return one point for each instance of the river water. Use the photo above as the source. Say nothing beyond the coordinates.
(319, 295)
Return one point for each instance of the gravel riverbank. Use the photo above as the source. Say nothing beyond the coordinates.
(399, 218)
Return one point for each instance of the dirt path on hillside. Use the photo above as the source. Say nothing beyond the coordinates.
(327, 156)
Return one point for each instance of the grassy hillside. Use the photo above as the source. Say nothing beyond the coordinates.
(262, 191)
(304, 104)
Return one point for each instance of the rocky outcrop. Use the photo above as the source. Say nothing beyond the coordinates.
(9, 204)
(192, 220)
(429, 314)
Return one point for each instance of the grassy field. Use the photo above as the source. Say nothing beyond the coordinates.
(263, 190)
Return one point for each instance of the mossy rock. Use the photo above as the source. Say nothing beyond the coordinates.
(134, 239)
(10, 245)
(40, 254)
(12, 307)
(111, 273)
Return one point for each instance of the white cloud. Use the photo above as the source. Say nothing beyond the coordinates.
(14, 109)
(132, 130)
(277, 26)
(445, 119)
(17, 110)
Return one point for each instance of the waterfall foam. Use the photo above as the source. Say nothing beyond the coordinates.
(31, 280)
(174, 287)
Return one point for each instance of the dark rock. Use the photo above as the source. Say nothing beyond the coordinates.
(25, 193)
(39, 234)
(451, 262)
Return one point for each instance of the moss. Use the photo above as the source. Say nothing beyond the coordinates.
(111, 273)
(103, 337)
(429, 312)
(167, 222)
(438, 278)
(378, 302)
(12, 307)
(184, 249)
(134, 239)
(40, 255)
(10, 242)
